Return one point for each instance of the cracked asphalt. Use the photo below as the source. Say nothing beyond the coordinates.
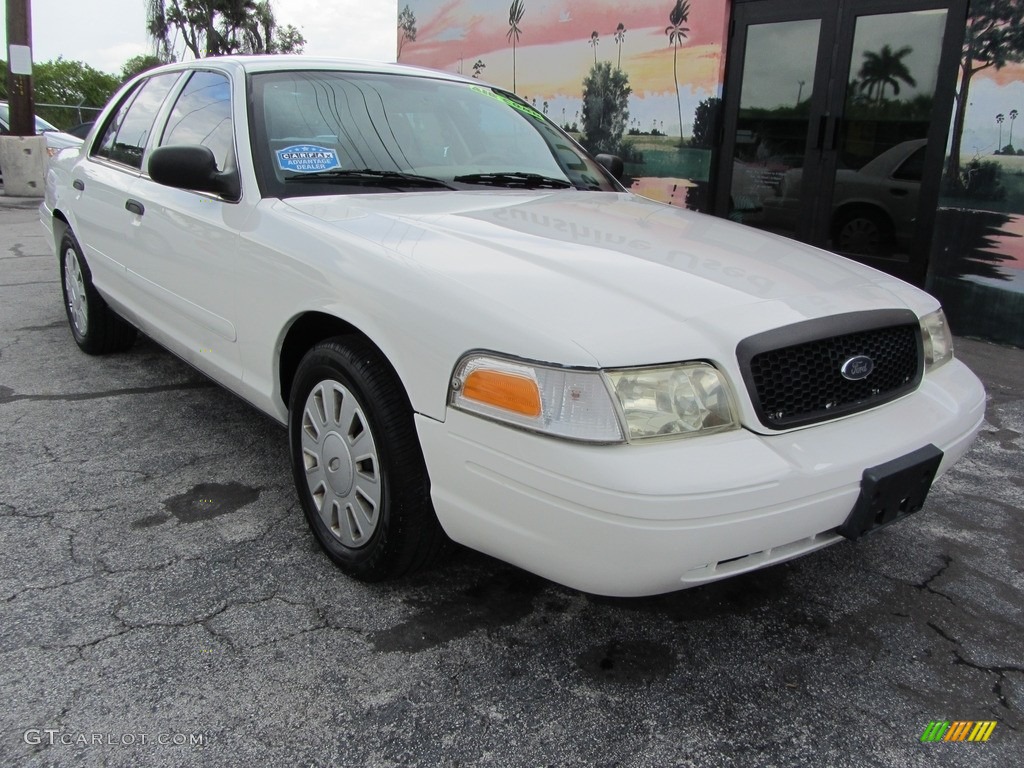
(162, 603)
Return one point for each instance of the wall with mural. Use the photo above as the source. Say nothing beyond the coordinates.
(637, 78)
(977, 262)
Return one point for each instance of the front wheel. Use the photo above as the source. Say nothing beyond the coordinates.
(357, 463)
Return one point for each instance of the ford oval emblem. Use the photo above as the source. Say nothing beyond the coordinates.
(857, 368)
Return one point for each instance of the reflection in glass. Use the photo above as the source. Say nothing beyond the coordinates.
(771, 130)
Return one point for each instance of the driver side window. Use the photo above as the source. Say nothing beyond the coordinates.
(202, 115)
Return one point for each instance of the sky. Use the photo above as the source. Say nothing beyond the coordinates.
(106, 33)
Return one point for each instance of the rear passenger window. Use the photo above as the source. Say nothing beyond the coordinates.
(202, 115)
(124, 139)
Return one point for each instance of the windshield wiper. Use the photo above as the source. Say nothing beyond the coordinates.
(371, 177)
(514, 179)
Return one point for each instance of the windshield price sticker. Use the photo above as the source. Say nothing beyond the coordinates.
(307, 158)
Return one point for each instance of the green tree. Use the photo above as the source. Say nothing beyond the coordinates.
(884, 69)
(219, 27)
(406, 28)
(994, 38)
(705, 118)
(72, 85)
(605, 108)
(676, 32)
(620, 36)
(136, 65)
(515, 17)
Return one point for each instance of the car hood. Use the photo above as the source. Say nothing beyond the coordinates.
(626, 279)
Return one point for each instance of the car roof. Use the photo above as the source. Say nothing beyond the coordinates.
(290, 62)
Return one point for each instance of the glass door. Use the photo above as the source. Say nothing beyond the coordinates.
(835, 123)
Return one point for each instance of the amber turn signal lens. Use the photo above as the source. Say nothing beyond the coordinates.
(503, 390)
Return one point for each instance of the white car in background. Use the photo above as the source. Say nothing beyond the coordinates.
(56, 139)
(473, 331)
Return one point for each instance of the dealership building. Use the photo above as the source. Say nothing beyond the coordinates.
(883, 130)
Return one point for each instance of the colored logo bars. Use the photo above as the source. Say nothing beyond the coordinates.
(958, 730)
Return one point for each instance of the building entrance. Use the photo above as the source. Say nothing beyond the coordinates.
(835, 120)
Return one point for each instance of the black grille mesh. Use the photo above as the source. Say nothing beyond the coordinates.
(802, 384)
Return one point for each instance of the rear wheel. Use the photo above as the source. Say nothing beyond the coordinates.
(96, 327)
(357, 463)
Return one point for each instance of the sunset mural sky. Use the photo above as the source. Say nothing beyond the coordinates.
(554, 51)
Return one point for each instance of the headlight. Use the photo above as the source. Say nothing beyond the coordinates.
(937, 338)
(609, 407)
(677, 401)
(564, 402)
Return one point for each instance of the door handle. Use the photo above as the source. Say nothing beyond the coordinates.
(78, 184)
(897, 192)
(135, 207)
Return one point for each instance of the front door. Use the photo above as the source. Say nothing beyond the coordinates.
(835, 121)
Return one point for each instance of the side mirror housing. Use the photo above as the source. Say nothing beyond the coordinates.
(193, 167)
(613, 163)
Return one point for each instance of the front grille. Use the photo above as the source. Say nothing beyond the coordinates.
(801, 383)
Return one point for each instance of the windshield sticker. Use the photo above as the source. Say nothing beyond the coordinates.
(515, 104)
(306, 158)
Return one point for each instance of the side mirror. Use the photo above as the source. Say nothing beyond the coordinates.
(613, 163)
(192, 167)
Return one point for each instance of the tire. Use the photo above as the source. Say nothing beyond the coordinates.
(357, 463)
(97, 329)
(863, 232)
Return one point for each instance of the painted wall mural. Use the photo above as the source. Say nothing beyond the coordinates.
(638, 78)
(977, 265)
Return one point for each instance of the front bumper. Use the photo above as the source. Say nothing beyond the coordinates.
(643, 519)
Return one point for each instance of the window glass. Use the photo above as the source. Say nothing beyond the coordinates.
(202, 115)
(331, 132)
(125, 137)
(912, 168)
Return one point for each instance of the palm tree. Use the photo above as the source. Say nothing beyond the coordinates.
(478, 67)
(515, 15)
(676, 32)
(620, 35)
(999, 121)
(1013, 116)
(885, 68)
(593, 44)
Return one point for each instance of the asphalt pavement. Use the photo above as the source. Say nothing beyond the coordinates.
(163, 604)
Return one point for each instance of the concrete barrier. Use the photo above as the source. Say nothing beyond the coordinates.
(23, 164)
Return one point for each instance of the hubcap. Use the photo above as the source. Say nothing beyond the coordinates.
(74, 286)
(860, 236)
(341, 462)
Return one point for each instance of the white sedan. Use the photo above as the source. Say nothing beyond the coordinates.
(474, 332)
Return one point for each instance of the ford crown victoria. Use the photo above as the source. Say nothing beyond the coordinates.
(474, 332)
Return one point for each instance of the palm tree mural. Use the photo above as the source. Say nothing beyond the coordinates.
(884, 69)
(1013, 116)
(515, 15)
(478, 67)
(620, 36)
(999, 121)
(593, 43)
(676, 32)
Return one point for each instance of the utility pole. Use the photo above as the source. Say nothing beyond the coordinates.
(19, 67)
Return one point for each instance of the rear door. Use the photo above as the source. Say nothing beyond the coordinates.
(102, 181)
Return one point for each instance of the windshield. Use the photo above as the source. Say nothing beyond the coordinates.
(323, 132)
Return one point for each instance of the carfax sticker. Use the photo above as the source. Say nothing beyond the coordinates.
(307, 158)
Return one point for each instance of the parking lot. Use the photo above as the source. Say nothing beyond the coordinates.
(163, 604)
